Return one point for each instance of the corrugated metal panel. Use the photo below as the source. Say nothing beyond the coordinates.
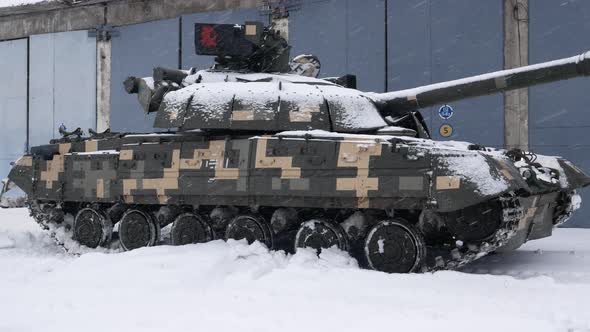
(347, 36)
(13, 102)
(319, 28)
(75, 80)
(467, 39)
(409, 49)
(62, 84)
(41, 128)
(432, 41)
(559, 120)
(365, 51)
(135, 52)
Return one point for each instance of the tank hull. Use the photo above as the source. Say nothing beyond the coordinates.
(474, 196)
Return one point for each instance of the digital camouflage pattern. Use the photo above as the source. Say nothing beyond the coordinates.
(295, 161)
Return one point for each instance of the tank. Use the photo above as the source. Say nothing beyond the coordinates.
(257, 148)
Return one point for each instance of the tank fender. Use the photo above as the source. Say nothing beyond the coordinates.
(465, 178)
(21, 174)
(576, 178)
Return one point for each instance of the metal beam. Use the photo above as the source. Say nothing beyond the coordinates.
(103, 84)
(516, 54)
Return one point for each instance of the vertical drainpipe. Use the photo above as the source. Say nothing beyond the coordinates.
(516, 54)
(103, 79)
(180, 42)
(28, 137)
(386, 51)
(103, 84)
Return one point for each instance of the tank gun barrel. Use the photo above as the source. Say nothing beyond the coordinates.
(399, 102)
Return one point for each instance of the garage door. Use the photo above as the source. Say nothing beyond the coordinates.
(13, 102)
(62, 83)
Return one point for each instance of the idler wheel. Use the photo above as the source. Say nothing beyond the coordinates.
(190, 228)
(138, 229)
(320, 234)
(394, 246)
(250, 228)
(92, 228)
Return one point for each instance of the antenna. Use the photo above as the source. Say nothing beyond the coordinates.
(277, 12)
(277, 9)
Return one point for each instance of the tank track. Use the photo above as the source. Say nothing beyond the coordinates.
(466, 253)
(446, 258)
(44, 214)
(565, 209)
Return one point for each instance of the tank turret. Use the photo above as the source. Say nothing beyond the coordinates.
(252, 87)
(293, 161)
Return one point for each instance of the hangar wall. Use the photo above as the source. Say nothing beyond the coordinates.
(560, 112)
(135, 51)
(48, 80)
(13, 102)
(349, 37)
(62, 83)
(388, 44)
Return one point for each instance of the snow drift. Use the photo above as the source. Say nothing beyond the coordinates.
(235, 287)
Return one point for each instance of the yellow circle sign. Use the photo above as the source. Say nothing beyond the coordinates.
(446, 130)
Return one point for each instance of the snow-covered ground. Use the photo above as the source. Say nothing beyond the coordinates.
(218, 286)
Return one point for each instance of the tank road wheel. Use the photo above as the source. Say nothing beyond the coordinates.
(138, 229)
(92, 228)
(320, 234)
(190, 228)
(394, 246)
(250, 228)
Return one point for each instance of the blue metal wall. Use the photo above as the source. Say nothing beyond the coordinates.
(348, 37)
(388, 44)
(62, 89)
(559, 112)
(434, 40)
(135, 51)
(427, 41)
(13, 102)
(62, 84)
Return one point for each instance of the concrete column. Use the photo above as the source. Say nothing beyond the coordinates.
(103, 84)
(516, 54)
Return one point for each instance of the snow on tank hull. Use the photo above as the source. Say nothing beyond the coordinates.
(461, 201)
(235, 167)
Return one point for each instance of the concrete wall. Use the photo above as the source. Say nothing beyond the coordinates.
(56, 16)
